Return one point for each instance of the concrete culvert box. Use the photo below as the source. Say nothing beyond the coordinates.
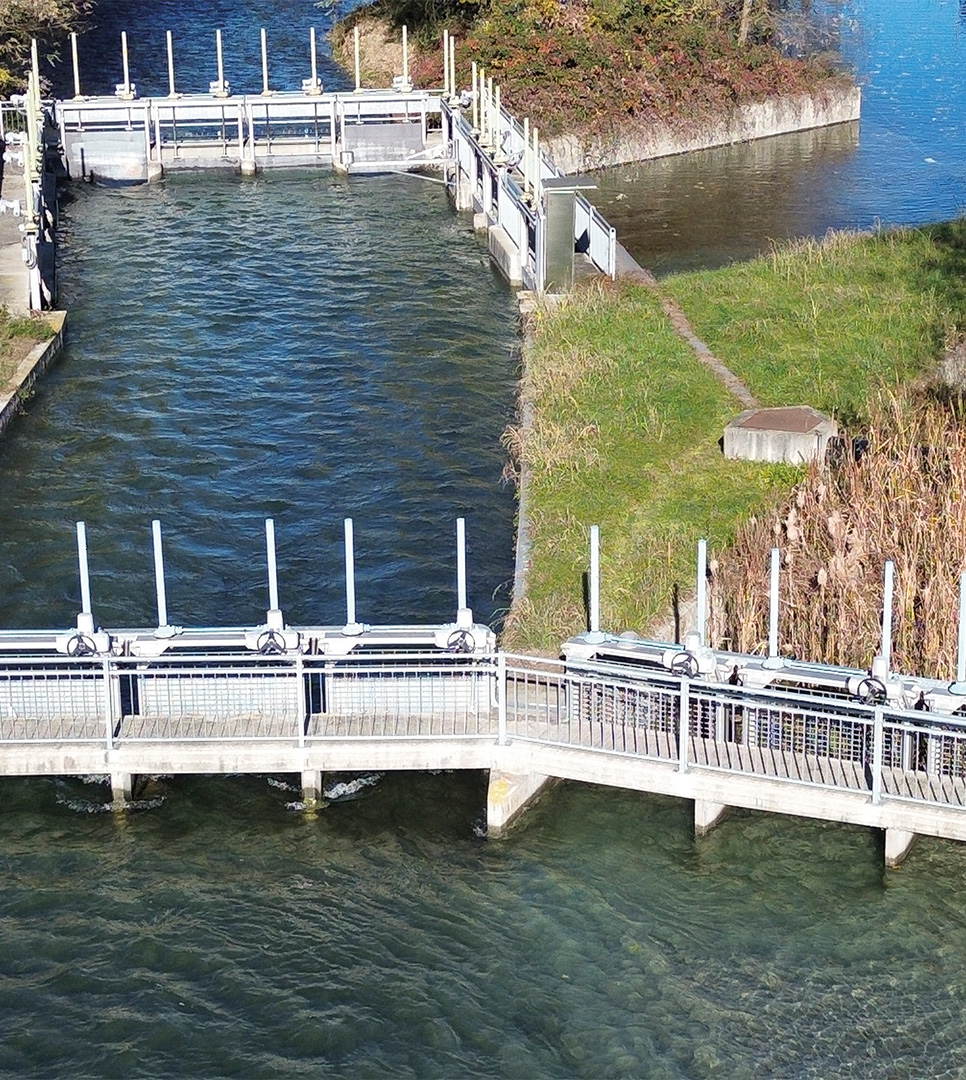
(795, 434)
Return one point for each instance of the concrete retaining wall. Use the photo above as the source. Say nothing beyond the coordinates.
(34, 364)
(761, 120)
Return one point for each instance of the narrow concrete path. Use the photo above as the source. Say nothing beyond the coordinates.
(628, 267)
(14, 278)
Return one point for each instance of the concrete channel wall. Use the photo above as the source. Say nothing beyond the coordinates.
(761, 120)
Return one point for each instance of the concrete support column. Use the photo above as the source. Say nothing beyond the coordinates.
(707, 815)
(898, 843)
(311, 786)
(122, 787)
(508, 795)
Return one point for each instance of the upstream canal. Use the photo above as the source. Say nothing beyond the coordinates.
(306, 348)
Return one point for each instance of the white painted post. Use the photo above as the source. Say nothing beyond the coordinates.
(502, 739)
(773, 605)
(73, 53)
(684, 726)
(878, 747)
(476, 104)
(887, 602)
(172, 92)
(126, 66)
(350, 575)
(357, 61)
(594, 583)
(84, 568)
(446, 63)
(159, 574)
(525, 163)
(702, 592)
(221, 61)
(454, 93)
(265, 89)
(405, 47)
(490, 121)
(315, 61)
(537, 177)
(961, 641)
(460, 563)
(272, 565)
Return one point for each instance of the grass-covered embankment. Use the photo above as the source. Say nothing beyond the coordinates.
(18, 335)
(626, 420)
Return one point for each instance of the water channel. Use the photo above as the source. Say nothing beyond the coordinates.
(305, 347)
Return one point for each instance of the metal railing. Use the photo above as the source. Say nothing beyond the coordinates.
(439, 697)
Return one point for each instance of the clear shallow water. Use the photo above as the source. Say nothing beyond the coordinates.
(220, 931)
(903, 164)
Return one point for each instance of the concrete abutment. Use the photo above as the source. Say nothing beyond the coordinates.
(707, 815)
(898, 844)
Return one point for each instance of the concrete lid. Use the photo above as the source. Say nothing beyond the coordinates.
(799, 419)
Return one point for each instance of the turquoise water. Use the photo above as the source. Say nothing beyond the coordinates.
(303, 347)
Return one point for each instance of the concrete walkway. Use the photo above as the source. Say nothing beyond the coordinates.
(14, 279)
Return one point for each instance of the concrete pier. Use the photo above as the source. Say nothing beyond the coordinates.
(508, 795)
(898, 844)
(707, 815)
(311, 786)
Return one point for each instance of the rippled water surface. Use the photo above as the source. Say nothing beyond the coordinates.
(904, 163)
(303, 347)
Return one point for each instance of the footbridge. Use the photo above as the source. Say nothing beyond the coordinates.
(722, 729)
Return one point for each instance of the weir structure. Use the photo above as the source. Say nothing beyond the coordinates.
(872, 748)
(536, 219)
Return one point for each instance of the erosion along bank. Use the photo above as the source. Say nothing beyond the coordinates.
(625, 419)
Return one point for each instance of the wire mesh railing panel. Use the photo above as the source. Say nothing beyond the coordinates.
(449, 701)
(241, 703)
(924, 762)
(64, 702)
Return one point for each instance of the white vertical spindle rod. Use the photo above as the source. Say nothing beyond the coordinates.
(272, 564)
(405, 48)
(350, 575)
(460, 563)
(773, 603)
(961, 642)
(159, 574)
(221, 61)
(76, 63)
(264, 38)
(702, 591)
(358, 62)
(887, 600)
(171, 90)
(315, 58)
(83, 566)
(594, 583)
(475, 116)
(124, 61)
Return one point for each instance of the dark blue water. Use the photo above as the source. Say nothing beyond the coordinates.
(295, 346)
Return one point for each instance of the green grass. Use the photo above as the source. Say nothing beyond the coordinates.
(18, 335)
(627, 421)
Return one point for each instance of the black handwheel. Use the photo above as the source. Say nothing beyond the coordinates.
(684, 664)
(871, 691)
(270, 643)
(81, 645)
(460, 641)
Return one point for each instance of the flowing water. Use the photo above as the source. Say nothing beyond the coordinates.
(304, 347)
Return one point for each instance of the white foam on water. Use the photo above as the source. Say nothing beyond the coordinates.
(346, 789)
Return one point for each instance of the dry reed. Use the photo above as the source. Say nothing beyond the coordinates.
(902, 500)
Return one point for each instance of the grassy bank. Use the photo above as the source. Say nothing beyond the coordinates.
(18, 335)
(627, 421)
